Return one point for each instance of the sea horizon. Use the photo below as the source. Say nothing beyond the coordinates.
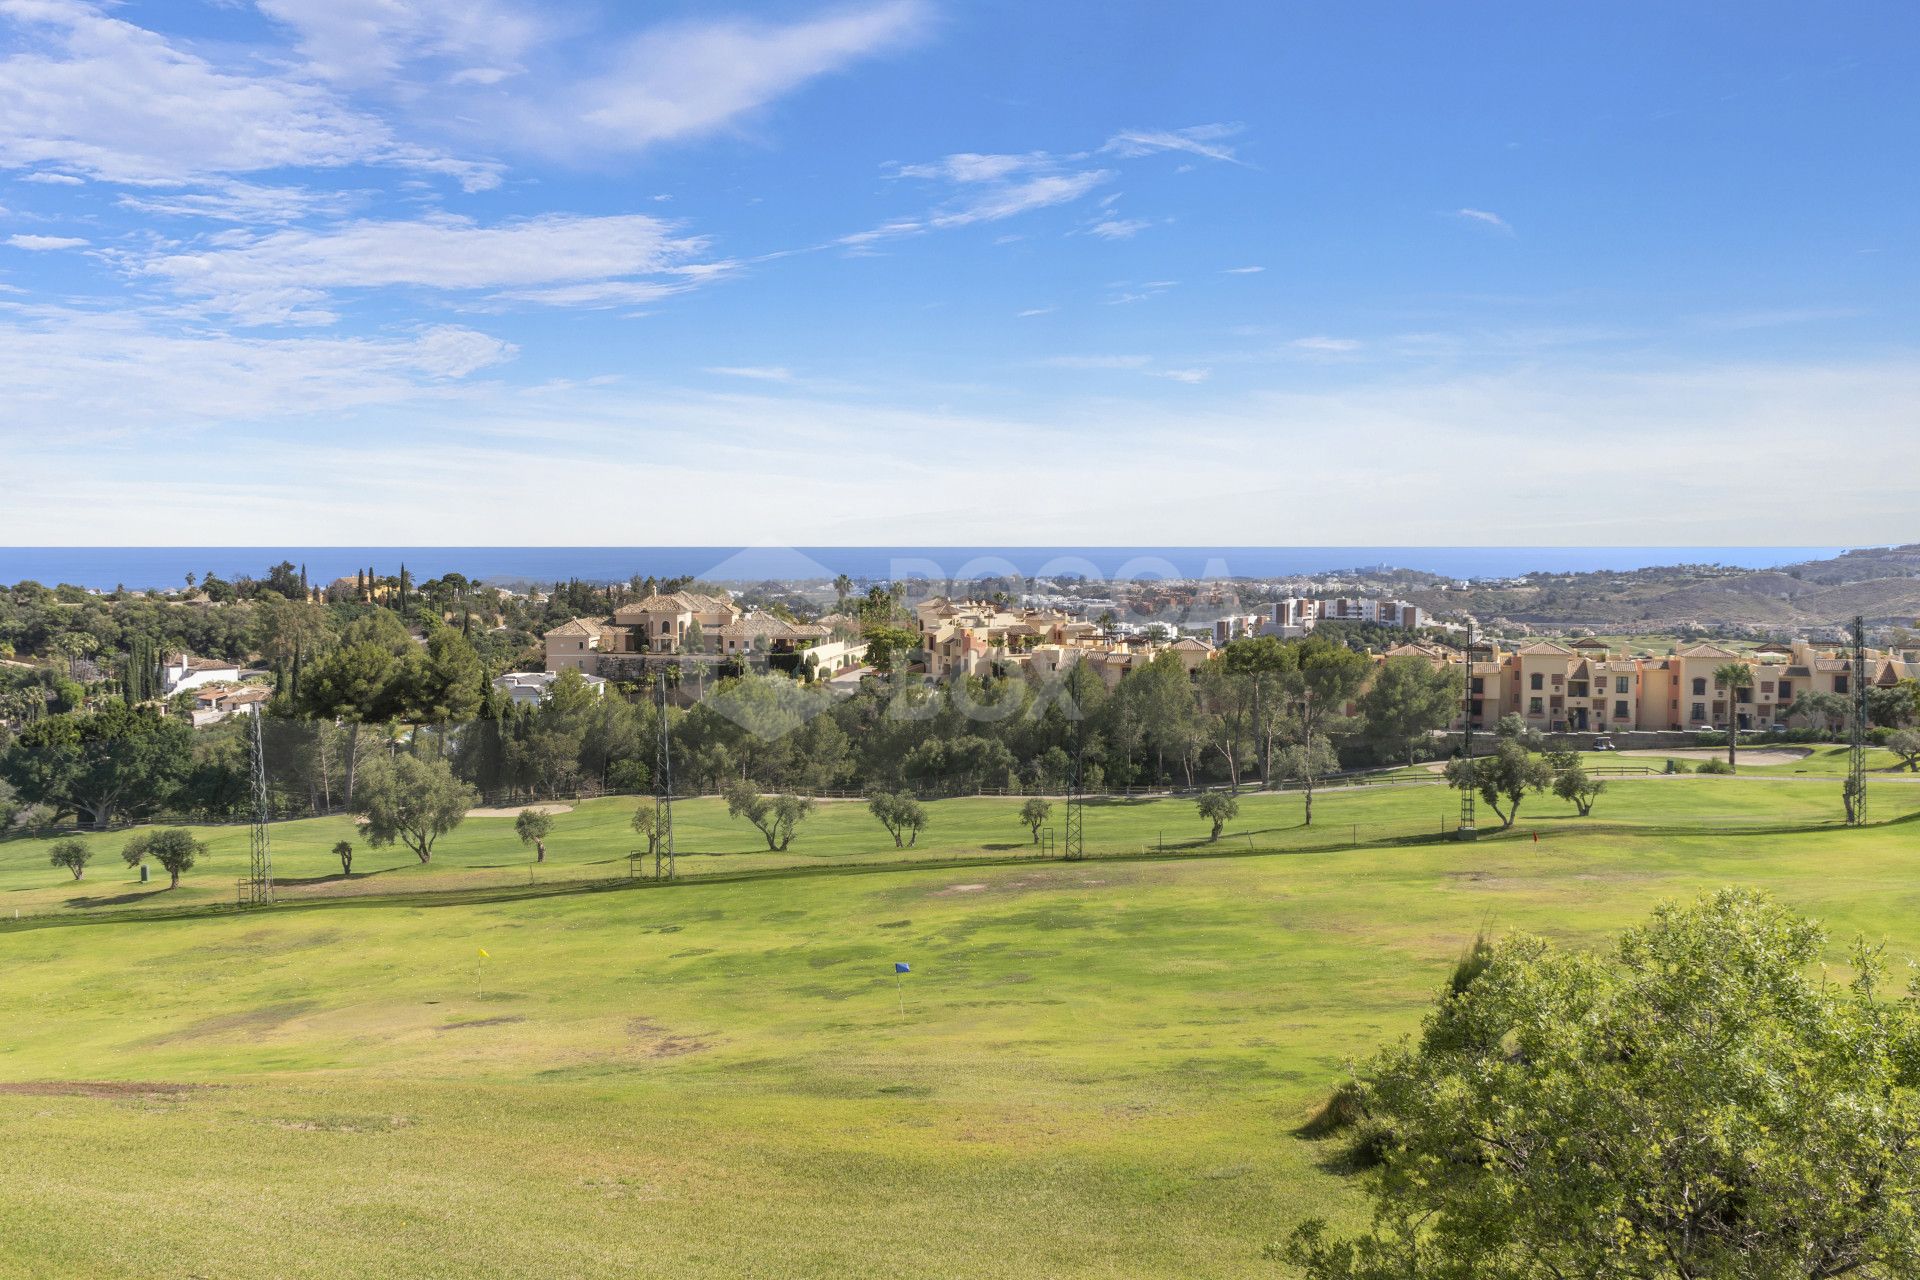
(148, 568)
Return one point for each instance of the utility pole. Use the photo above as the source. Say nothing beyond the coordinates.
(1856, 793)
(260, 871)
(1467, 830)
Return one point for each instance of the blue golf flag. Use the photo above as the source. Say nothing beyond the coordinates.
(898, 967)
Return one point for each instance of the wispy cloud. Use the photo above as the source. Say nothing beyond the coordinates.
(1323, 345)
(1192, 377)
(1484, 218)
(40, 244)
(694, 78)
(756, 372)
(51, 178)
(364, 42)
(1119, 228)
(1096, 362)
(556, 259)
(1242, 271)
(1200, 140)
(1035, 311)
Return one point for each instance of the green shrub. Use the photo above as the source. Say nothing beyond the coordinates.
(1715, 765)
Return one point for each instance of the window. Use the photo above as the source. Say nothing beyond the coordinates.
(1474, 708)
(1699, 711)
(1699, 686)
(1479, 684)
(1619, 711)
(1786, 690)
(1533, 704)
(1539, 682)
(1622, 684)
(1839, 684)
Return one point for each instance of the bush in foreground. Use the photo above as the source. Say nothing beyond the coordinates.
(1695, 1104)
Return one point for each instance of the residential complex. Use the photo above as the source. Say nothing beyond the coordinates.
(979, 638)
(691, 625)
(1580, 686)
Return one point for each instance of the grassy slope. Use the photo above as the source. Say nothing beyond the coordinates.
(1097, 1070)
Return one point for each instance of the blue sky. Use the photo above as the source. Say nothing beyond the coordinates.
(477, 271)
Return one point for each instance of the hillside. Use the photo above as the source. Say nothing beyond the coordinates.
(1883, 584)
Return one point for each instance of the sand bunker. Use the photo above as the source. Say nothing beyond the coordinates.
(515, 812)
(1748, 755)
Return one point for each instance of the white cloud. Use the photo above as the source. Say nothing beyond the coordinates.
(1192, 377)
(367, 41)
(1097, 362)
(234, 201)
(759, 373)
(1035, 311)
(556, 259)
(1484, 218)
(53, 179)
(1200, 140)
(1119, 228)
(111, 100)
(1023, 197)
(81, 373)
(968, 166)
(41, 243)
(690, 79)
(1326, 346)
(1242, 271)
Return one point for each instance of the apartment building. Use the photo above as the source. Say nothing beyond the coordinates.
(693, 625)
(1581, 687)
(1294, 616)
(979, 638)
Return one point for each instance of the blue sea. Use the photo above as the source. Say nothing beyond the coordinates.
(105, 568)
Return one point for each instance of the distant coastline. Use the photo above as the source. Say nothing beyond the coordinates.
(138, 568)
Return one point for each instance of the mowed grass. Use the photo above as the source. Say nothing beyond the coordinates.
(1095, 1069)
(592, 843)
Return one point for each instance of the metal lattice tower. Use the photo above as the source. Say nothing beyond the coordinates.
(1467, 829)
(260, 873)
(1076, 818)
(1856, 794)
(663, 782)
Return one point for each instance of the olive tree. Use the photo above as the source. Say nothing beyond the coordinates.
(1034, 814)
(1219, 808)
(903, 816)
(71, 854)
(1502, 779)
(412, 802)
(533, 827)
(176, 850)
(776, 816)
(1697, 1103)
(1572, 783)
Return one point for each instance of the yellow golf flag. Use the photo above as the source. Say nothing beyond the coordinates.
(484, 955)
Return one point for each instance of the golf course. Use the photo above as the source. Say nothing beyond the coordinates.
(484, 1066)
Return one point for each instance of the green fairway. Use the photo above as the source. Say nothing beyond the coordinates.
(1096, 1070)
(592, 842)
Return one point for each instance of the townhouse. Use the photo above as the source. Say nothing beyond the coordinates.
(1581, 687)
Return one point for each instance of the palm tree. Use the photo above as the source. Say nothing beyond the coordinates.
(1732, 676)
(842, 588)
